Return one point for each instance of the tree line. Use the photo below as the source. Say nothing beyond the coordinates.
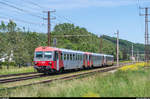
(22, 43)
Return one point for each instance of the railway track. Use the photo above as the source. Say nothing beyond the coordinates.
(8, 80)
(19, 74)
(70, 77)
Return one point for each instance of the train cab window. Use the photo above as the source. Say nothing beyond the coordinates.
(39, 54)
(78, 57)
(55, 55)
(48, 54)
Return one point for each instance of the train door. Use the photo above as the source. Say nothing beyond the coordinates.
(57, 60)
(89, 60)
(86, 60)
(103, 60)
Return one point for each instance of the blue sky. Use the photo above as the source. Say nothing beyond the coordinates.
(97, 16)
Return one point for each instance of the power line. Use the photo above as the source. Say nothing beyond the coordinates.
(64, 18)
(19, 9)
(20, 20)
(33, 3)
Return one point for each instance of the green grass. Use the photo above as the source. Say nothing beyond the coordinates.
(122, 61)
(118, 84)
(15, 70)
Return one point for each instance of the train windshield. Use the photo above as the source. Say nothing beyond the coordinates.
(48, 54)
(39, 55)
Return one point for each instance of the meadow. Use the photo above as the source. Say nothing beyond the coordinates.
(126, 82)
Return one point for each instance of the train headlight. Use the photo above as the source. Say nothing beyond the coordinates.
(50, 63)
(35, 63)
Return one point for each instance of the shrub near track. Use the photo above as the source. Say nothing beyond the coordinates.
(132, 66)
(127, 83)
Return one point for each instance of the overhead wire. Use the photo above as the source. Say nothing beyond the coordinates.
(19, 9)
(35, 4)
(139, 12)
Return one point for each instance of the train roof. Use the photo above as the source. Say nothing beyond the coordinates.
(68, 50)
(108, 55)
(47, 48)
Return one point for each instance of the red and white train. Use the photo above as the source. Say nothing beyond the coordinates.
(51, 59)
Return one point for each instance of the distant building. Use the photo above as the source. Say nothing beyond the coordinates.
(132, 58)
(5, 56)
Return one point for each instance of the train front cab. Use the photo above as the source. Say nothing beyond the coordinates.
(48, 65)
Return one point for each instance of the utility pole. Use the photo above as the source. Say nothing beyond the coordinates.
(101, 44)
(49, 26)
(132, 50)
(117, 47)
(146, 53)
(137, 56)
(132, 53)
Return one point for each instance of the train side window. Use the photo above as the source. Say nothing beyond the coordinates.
(70, 56)
(67, 56)
(79, 57)
(73, 57)
(76, 56)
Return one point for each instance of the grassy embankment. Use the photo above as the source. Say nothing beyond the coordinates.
(15, 70)
(129, 81)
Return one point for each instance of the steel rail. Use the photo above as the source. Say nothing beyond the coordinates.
(19, 74)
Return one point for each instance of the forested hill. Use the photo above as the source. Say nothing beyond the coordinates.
(22, 43)
(124, 44)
